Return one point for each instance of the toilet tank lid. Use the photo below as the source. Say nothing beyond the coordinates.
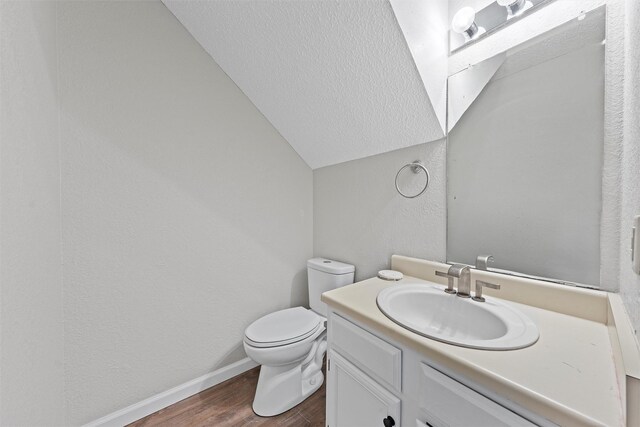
(330, 266)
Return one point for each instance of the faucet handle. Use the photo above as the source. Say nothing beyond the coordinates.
(449, 277)
(482, 262)
(479, 285)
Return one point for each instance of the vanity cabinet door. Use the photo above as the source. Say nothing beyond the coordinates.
(355, 400)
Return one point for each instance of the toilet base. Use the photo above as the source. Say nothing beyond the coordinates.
(280, 388)
(277, 392)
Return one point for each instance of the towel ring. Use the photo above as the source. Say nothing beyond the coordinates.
(415, 166)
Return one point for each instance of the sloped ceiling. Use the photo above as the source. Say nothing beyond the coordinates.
(335, 78)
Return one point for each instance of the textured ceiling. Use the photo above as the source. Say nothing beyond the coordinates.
(335, 78)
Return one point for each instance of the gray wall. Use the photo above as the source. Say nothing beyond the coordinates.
(186, 215)
(360, 218)
(183, 214)
(31, 329)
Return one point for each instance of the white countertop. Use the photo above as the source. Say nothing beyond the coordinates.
(568, 376)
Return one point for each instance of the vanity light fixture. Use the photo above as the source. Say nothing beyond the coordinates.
(515, 7)
(464, 23)
(469, 24)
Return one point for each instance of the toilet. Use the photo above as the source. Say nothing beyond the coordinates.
(290, 344)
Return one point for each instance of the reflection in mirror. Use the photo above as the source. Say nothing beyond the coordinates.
(469, 26)
(524, 159)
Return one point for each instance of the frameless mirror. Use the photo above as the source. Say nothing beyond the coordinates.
(525, 152)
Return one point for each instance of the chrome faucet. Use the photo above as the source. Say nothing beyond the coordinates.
(463, 274)
(482, 262)
(449, 289)
(479, 285)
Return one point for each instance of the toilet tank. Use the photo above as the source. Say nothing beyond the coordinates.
(325, 275)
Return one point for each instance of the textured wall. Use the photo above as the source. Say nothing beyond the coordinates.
(424, 25)
(31, 329)
(629, 281)
(613, 143)
(336, 78)
(185, 214)
(360, 218)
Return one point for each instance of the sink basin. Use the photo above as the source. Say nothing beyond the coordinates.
(426, 310)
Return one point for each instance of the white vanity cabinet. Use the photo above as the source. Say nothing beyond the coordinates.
(372, 381)
(354, 399)
(363, 377)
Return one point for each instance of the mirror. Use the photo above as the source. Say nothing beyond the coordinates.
(525, 153)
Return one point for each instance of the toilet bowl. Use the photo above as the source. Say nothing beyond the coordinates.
(290, 344)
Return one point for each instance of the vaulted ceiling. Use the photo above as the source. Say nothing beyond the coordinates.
(335, 78)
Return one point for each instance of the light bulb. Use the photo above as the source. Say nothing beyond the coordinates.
(464, 22)
(515, 7)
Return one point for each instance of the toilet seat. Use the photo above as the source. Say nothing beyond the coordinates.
(283, 327)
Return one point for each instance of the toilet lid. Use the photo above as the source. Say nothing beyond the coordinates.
(284, 326)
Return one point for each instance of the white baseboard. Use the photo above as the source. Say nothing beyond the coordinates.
(162, 400)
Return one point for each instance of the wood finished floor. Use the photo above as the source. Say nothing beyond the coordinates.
(229, 404)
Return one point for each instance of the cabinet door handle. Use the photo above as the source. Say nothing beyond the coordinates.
(388, 422)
